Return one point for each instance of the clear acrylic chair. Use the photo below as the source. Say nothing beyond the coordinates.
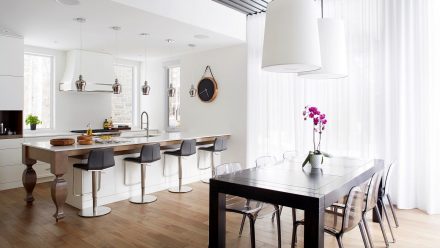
(290, 155)
(263, 162)
(246, 207)
(372, 194)
(346, 221)
(385, 195)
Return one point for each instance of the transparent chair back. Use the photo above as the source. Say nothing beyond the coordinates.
(227, 168)
(265, 161)
(290, 155)
(387, 177)
(373, 190)
(354, 207)
(236, 203)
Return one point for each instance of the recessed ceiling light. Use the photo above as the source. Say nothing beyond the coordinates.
(192, 45)
(170, 40)
(201, 36)
(68, 2)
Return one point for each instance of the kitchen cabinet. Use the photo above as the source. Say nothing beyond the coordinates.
(11, 168)
(11, 93)
(11, 56)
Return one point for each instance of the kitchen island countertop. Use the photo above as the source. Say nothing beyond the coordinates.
(165, 137)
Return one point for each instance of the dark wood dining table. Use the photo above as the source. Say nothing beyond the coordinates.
(289, 184)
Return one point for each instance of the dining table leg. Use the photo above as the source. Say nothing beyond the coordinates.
(58, 189)
(217, 217)
(314, 228)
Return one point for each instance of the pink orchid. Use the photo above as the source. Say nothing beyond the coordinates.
(319, 122)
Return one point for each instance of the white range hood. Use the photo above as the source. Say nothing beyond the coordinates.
(96, 68)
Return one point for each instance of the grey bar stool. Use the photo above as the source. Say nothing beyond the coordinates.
(98, 160)
(219, 146)
(187, 148)
(149, 154)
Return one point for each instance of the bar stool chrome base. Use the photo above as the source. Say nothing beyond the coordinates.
(183, 189)
(143, 199)
(90, 212)
(205, 180)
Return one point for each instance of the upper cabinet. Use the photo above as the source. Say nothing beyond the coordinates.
(11, 56)
(11, 93)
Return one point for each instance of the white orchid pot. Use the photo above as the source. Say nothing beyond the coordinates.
(316, 160)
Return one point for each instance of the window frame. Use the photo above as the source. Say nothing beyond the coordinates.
(167, 71)
(52, 58)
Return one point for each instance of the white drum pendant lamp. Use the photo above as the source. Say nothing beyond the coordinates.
(291, 40)
(333, 51)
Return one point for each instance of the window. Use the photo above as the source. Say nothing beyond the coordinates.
(174, 101)
(38, 77)
(122, 104)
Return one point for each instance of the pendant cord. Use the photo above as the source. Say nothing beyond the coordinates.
(145, 50)
(116, 44)
(322, 9)
(80, 47)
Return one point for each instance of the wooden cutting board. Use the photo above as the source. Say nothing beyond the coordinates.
(62, 142)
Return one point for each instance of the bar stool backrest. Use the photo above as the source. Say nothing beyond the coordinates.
(354, 206)
(188, 147)
(373, 191)
(265, 161)
(100, 159)
(220, 144)
(150, 153)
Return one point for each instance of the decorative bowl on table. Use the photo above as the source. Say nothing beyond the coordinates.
(62, 142)
(85, 140)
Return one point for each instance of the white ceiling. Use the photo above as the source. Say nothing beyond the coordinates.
(46, 23)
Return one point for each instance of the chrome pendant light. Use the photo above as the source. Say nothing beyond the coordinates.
(291, 41)
(117, 87)
(145, 88)
(171, 91)
(333, 49)
(80, 83)
(192, 91)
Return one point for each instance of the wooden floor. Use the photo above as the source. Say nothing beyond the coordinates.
(175, 220)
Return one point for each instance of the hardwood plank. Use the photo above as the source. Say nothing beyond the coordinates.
(175, 220)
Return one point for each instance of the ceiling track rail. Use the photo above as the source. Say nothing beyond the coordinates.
(248, 7)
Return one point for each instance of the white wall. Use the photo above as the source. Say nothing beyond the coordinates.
(226, 114)
(156, 102)
(74, 110)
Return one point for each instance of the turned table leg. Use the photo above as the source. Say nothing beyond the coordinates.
(58, 191)
(29, 179)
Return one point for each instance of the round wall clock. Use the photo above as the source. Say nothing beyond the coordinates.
(207, 88)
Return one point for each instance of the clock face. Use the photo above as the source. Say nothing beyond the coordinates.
(207, 89)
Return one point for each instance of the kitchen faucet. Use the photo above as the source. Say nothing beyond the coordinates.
(148, 122)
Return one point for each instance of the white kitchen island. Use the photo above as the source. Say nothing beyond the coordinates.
(119, 182)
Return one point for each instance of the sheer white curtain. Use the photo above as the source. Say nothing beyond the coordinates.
(385, 108)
